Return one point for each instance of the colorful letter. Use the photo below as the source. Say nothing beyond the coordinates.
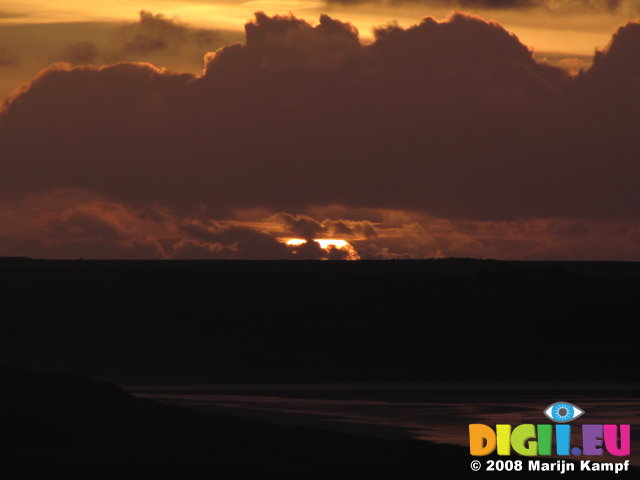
(544, 439)
(563, 439)
(592, 439)
(503, 432)
(523, 440)
(482, 439)
(611, 440)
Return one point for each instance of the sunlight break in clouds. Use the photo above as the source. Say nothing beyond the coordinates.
(327, 244)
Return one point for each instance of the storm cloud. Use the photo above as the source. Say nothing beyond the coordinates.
(447, 120)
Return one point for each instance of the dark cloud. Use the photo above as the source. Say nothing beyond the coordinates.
(228, 242)
(555, 6)
(87, 225)
(616, 69)
(90, 248)
(88, 230)
(482, 4)
(307, 227)
(153, 33)
(70, 224)
(224, 242)
(153, 37)
(301, 225)
(107, 230)
(498, 4)
(360, 228)
(449, 119)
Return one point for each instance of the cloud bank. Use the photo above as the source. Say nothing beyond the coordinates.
(445, 123)
(555, 6)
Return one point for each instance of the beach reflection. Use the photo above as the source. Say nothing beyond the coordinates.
(426, 412)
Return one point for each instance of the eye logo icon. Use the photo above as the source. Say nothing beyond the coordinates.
(563, 412)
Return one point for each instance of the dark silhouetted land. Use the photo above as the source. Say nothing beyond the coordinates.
(254, 321)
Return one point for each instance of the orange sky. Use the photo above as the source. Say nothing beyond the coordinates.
(34, 34)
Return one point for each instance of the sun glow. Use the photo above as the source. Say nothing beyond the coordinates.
(330, 242)
(295, 242)
(327, 244)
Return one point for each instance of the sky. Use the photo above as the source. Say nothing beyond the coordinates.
(338, 129)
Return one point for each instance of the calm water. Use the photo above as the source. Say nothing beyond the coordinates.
(436, 412)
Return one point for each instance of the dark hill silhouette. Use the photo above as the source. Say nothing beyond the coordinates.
(217, 321)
